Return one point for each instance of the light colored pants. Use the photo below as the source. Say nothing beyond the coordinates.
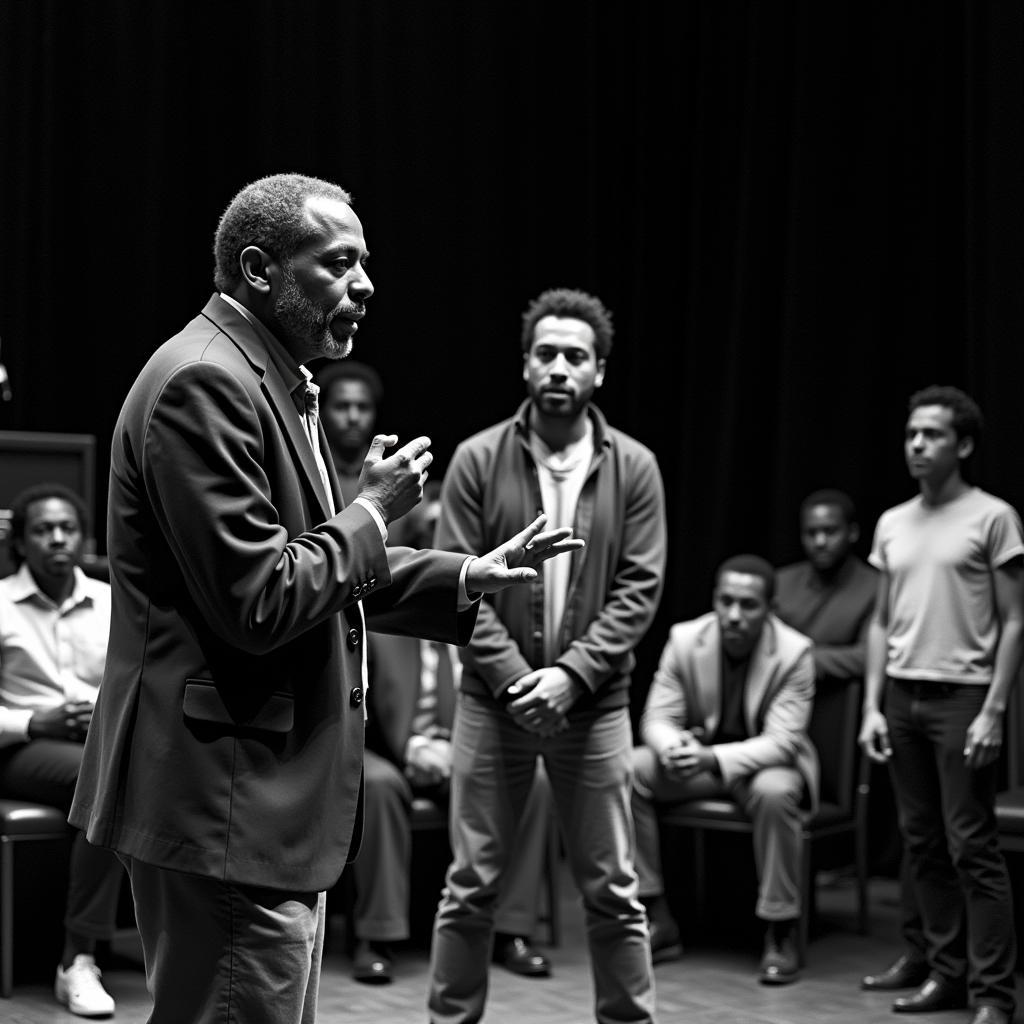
(218, 953)
(382, 869)
(590, 769)
(771, 798)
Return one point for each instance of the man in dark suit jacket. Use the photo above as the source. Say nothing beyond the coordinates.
(223, 762)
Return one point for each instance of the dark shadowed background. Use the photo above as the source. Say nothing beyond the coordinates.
(799, 212)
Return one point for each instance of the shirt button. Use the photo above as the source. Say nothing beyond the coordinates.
(353, 637)
(355, 698)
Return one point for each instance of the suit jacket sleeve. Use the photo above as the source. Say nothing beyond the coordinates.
(784, 726)
(255, 587)
(610, 639)
(667, 702)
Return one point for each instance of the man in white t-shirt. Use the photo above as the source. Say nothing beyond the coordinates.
(943, 651)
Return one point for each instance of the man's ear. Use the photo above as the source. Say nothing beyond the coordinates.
(854, 533)
(256, 266)
(965, 447)
(526, 366)
(599, 377)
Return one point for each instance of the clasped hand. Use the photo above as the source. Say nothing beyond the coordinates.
(69, 721)
(542, 698)
(687, 757)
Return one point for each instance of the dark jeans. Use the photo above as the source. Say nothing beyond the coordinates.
(948, 820)
(46, 771)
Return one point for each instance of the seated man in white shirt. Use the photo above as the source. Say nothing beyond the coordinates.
(54, 622)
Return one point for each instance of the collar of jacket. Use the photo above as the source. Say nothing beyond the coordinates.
(602, 437)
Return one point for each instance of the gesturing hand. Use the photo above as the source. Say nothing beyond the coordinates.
(517, 560)
(394, 484)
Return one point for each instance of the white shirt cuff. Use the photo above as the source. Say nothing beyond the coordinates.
(465, 601)
(377, 517)
(14, 725)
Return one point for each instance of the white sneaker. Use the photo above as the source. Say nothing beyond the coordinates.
(80, 990)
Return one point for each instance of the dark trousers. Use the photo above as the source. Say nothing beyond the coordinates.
(218, 953)
(46, 771)
(947, 814)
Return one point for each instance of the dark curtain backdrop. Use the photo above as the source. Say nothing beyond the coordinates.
(798, 211)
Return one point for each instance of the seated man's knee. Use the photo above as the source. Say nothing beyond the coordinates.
(776, 792)
(645, 771)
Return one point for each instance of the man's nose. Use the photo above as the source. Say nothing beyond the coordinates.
(559, 366)
(57, 536)
(361, 286)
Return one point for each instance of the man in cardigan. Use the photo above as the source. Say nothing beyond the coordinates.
(547, 673)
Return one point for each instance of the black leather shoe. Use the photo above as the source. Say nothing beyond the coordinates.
(907, 971)
(931, 996)
(990, 1015)
(780, 964)
(516, 953)
(665, 944)
(371, 963)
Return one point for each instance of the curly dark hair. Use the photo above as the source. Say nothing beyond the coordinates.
(267, 213)
(569, 302)
(29, 496)
(967, 418)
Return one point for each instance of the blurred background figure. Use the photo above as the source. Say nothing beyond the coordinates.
(54, 622)
(350, 397)
(830, 596)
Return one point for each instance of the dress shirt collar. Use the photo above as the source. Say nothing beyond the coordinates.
(23, 587)
(597, 420)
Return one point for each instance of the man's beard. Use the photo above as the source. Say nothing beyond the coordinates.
(567, 409)
(304, 326)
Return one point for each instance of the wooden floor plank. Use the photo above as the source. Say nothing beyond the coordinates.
(709, 985)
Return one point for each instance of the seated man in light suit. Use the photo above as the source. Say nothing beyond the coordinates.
(410, 708)
(727, 715)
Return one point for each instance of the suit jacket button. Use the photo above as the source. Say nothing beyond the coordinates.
(353, 637)
(357, 590)
(372, 582)
(355, 698)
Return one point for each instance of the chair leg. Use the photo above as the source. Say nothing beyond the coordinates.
(700, 875)
(6, 917)
(862, 881)
(806, 900)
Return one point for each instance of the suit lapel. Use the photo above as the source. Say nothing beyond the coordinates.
(762, 665)
(707, 669)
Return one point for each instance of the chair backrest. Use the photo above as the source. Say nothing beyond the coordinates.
(833, 729)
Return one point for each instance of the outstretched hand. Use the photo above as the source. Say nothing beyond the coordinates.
(518, 559)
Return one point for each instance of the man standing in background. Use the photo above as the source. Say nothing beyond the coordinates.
(547, 672)
(943, 652)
